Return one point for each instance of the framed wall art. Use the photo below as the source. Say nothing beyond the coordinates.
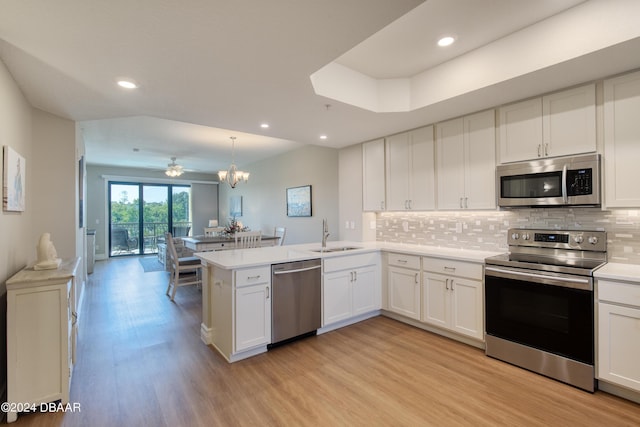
(13, 189)
(299, 201)
(235, 206)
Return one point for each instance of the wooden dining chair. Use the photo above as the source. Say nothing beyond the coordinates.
(280, 232)
(183, 271)
(248, 239)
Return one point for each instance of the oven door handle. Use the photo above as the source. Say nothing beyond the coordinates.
(565, 282)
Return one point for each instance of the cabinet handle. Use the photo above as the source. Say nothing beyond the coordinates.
(382, 205)
(268, 292)
(351, 276)
(446, 284)
(355, 276)
(466, 202)
(452, 284)
(460, 202)
(416, 278)
(539, 147)
(402, 261)
(253, 277)
(546, 149)
(452, 269)
(410, 204)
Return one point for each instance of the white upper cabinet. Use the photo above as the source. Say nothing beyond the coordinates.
(410, 170)
(559, 124)
(521, 131)
(466, 159)
(622, 141)
(569, 121)
(373, 179)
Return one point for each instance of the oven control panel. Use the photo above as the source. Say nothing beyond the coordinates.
(562, 239)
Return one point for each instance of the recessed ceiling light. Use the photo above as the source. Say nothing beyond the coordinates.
(127, 84)
(264, 125)
(446, 41)
(323, 136)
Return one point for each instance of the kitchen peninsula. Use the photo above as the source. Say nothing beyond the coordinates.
(360, 280)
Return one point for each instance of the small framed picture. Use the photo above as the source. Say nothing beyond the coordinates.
(299, 201)
(235, 206)
(13, 190)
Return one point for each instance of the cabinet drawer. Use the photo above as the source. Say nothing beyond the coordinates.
(349, 262)
(402, 260)
(619, 292)
(453, 268)
(252, 276)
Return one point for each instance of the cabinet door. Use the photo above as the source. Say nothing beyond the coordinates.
(398, 169)
(253, 316)
(450, 155)
(466, 307)
(435, 301)
(480, 160)
(404, 292)
(521, 131)
(569, 121)
(422, 176)
(373, 184)
(336, 296)
(621, 135)
(619, 345)
(365, 290)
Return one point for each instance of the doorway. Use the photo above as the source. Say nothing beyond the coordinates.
(140, 214)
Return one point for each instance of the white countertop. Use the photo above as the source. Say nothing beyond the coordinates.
(618, 271)
(244, 258)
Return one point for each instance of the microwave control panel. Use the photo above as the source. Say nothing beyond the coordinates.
(579, 182)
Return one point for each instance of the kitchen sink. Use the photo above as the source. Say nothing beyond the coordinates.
(338, 249)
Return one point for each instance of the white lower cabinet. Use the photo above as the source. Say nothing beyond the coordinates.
(241, 317)
(450, 301)
(351, 287)
(619, 333)
(403, 285)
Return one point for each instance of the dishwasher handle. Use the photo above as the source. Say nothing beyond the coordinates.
(297, 270)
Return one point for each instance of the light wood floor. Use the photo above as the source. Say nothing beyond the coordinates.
(141, 363)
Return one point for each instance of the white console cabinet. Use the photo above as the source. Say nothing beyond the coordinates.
(40, 327)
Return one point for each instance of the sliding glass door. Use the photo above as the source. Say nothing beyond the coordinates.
(141, 214)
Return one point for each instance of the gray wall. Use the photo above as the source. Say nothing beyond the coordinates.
(50, 148)
(264, 200)
(204, 194)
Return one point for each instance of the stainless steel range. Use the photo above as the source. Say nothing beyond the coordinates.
(539, 303)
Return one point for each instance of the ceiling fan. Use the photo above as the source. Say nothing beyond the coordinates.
(174, 169)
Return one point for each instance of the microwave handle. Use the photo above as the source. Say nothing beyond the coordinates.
(565, 198)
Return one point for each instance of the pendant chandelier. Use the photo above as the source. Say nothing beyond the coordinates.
(233, 176)
(173, 169)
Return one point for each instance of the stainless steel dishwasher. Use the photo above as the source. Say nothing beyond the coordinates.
(296, 299)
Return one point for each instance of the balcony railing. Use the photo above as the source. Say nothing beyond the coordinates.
(125, 236)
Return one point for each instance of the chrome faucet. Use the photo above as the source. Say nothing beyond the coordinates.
(325, 232)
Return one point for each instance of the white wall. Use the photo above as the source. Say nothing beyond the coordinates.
(354, 224)
(264, 200)
(15, 247)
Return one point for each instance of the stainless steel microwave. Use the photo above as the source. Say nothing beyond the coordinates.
(552, 182)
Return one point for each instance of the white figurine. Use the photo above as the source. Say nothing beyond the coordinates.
(47, 255)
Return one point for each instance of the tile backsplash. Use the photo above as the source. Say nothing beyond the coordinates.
(487, 230)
